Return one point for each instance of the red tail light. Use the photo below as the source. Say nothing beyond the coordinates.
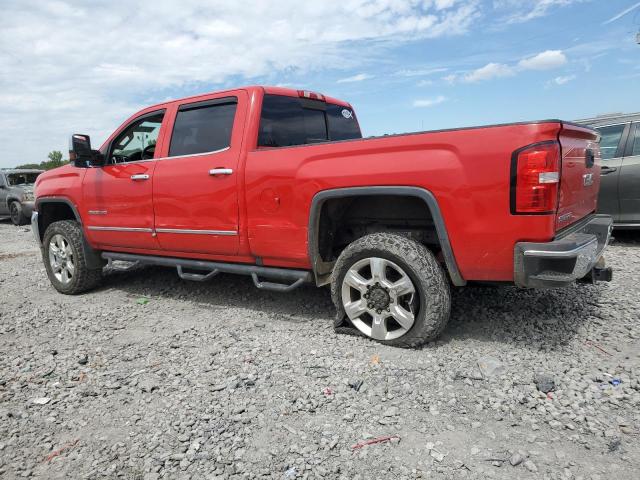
(535, 175)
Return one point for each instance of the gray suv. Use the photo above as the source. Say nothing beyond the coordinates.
(16, 194)
(620, 180)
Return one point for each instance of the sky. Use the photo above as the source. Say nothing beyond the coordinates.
(84, 67)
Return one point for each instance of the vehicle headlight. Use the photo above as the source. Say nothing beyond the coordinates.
(28, 197)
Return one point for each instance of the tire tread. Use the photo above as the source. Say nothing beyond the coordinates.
(86, 278)
(432, 280)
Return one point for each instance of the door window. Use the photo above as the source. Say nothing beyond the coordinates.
(636, 142)
(610, 140)
(137, 141)
(203, 127)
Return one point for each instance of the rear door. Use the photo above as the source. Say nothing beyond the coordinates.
(195, 187)
(612, 140)
(629, 181)
(118, 198)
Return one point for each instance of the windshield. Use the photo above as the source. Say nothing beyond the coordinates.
(22, 178)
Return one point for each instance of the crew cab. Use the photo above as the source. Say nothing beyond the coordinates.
(279, 184)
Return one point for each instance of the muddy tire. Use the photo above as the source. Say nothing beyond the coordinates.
(64, 259)
(392, 290)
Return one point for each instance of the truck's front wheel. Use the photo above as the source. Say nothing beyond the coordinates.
(392, 290)
(64, 259)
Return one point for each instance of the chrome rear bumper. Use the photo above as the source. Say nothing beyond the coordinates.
(569, 257)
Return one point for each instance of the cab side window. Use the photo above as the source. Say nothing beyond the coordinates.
(137, 141)
(610, 140)
(203, 127)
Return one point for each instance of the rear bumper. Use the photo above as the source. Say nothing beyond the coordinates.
(569, 257)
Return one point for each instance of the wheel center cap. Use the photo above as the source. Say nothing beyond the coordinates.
(379, 297)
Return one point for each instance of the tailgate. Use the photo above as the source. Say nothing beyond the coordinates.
(580, 174)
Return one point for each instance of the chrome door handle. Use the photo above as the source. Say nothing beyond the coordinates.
(142, 176)
(221, 171)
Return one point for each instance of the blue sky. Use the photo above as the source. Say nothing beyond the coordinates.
(404, 65)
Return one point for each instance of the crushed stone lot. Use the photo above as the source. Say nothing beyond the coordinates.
(153, 377)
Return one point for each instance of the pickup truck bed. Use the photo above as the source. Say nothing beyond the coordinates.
(279, 184)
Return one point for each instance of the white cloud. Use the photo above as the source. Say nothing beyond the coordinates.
(425, 83)
(420, 72)
(451, 78)
(355, 78)
(429, 102)
(520, 11)
(562, 80)
(626, 11)
(546, 60)
(73, 66)
(488, 72)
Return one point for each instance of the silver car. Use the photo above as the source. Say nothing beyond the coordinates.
(620, 181)
(16, 194)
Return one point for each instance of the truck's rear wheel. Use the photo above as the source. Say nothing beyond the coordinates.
(65, 261)
(392, 290)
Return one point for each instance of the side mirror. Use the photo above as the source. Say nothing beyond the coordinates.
(80, 152)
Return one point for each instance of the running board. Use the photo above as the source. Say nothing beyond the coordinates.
(121, 269)
(284, 279)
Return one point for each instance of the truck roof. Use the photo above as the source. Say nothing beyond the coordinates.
(289, 92)
(611, 118)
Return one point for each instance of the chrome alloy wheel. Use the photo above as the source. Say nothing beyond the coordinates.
(61, 259)
(379, 298)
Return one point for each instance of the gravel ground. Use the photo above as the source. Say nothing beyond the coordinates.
(153, 377)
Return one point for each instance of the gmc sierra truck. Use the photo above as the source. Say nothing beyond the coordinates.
(279, 184)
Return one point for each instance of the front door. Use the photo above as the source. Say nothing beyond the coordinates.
(611, 148)
(630, 180)
(195, 188)
(118, 196)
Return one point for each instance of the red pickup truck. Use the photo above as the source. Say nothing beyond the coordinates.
(279, 184)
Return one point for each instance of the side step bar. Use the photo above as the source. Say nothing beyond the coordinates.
(283, 279)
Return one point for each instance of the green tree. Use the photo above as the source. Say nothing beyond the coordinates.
(55, 160)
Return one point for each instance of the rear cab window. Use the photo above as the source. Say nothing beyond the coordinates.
(288, 121)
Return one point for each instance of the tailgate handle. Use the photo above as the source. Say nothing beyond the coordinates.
(607, 170)
(589, 158)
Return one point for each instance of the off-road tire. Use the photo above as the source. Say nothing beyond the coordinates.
(17, 217)
(85, 278)
(428, 277)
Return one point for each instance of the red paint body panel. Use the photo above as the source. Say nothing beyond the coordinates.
(185, 196)
(268, 198)
(577, 199)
